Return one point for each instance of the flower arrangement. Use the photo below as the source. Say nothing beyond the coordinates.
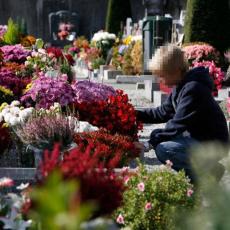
(44, 130)
(45, 91)
(103, 41)
(151, 199)
(216, 74)
(14, 114)
(115, 114)
(201, 52)
(115, 149)
(15, 53)
(87, 91)
(103, 187)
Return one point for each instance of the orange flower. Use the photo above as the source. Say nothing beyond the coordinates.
(29, 40)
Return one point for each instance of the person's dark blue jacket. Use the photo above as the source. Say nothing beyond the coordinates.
(190, 108)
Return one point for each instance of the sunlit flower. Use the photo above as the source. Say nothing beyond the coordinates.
(189, 192)
(120, 219)
(148, 206)
(141, 187)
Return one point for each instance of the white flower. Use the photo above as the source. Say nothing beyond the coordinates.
(42, 51)
(7, 117)
(23, 186)
(86, 127)
(27, 63)
(14, 121)
(15, 103)
(1, 117)
(24, 114)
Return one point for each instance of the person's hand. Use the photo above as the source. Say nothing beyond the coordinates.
(139, 147)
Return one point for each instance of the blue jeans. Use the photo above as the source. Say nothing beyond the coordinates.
(177, 151)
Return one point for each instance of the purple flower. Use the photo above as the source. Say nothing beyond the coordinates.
(15, 53)
(46, 91)
(91, 91)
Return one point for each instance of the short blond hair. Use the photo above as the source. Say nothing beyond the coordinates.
(168, 59)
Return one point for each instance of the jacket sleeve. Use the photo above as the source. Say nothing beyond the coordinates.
(157, 115)
(186, 113)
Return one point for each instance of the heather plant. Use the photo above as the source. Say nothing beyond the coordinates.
(44, 130)
(151, 199)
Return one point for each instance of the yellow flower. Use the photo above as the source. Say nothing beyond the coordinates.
(28, 87)
(3, 105)
(127, 40)
(6, 91)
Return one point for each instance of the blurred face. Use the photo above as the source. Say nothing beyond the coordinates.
(170, 79)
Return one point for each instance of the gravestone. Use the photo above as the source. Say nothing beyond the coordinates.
(63, 27)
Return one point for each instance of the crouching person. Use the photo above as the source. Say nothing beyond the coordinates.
(191, 114)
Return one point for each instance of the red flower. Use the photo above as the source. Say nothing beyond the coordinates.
(99, 185)
(115, 114)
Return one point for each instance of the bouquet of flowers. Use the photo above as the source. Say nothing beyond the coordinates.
(45, 91)
(104, 41)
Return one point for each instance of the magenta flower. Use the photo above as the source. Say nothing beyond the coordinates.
(141, 187)
(148, 206)
(189, 192)
(120, 219)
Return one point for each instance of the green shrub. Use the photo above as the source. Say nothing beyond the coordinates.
(12, 35)
(152, 198)
(208, 21)
(117, 12)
